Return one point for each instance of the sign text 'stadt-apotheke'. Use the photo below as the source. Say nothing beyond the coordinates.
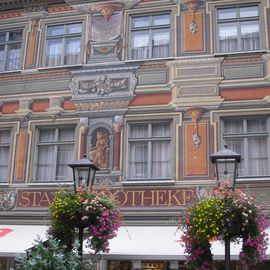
(126, 198)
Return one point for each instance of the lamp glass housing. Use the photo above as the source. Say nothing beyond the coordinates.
(84, 172)
(226, 163)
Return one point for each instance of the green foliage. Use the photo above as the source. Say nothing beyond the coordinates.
(224, 214)
(65, 216)
(51, 255)
(96, 213)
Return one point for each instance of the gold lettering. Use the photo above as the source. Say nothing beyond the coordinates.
(34, 202)
(24, 199)
(145, 198)
(122, 202)
(173, 200)
(44, 198)
(160, 198)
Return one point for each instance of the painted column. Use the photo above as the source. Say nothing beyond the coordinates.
(117, 126)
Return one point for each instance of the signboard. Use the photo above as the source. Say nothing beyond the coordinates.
(127, 198)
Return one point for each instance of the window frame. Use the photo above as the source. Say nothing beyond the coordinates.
(55, 143)
(238, 20)
(149, 140)
(7, 43)
(63, 38)
(9, 145)
(245, 135)
(151, 28)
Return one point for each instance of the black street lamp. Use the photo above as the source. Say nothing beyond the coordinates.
(226, 162)
(84, 171)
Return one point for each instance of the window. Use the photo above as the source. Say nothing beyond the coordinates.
(10, 50)
(249, 137)
(63, 44)
(5, 142)
(150, 36)
(149, 150)
(238, 29)
(55, 149)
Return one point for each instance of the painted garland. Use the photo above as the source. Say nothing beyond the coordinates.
(219, 214)
(96, 212)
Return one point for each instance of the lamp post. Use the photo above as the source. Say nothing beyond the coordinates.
(226, 162)
(84, 171)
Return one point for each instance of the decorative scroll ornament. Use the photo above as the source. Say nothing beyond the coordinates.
(192, 6)
(7, 200)
(195, 114)
(103, 85)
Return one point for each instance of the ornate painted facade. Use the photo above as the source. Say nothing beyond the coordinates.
(148, 89)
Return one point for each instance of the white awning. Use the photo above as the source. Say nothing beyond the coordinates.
(16, 239)
(157, 243)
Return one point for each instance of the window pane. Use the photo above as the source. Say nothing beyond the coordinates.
(233, 127)
(4, 136)
(258, 158)
(140, 45)
(55, 30)
(161, 40)
(64, 157)
(4, 154)
(250, 39)
(237, 145)
(140, 21)
(66, 134)
(161, 130)
(47, 135)
(74, 28)
(72, 53)
(256, 125)
(138, 160)
(54, 49)
(15, 36)
(3, 36)
(14, 57)
(54, 153)
(249, 11)
(139, 131)
(227, 13)
(227, 33)
(45, 161)
(161, 19)
(161, 160)
(2, 55)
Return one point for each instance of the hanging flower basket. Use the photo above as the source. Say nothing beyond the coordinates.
(97, 213)
(224, 213)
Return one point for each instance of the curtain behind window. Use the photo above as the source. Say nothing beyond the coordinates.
(54, 151)
(4, 154)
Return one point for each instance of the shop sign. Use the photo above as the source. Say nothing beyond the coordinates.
(126, 198)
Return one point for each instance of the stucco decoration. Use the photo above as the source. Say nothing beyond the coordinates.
(101, 106)
(106, 28)
(7, 200)
(36, 11)
(195, 114)
(100, 148)
(103, 85)
(193, 6)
